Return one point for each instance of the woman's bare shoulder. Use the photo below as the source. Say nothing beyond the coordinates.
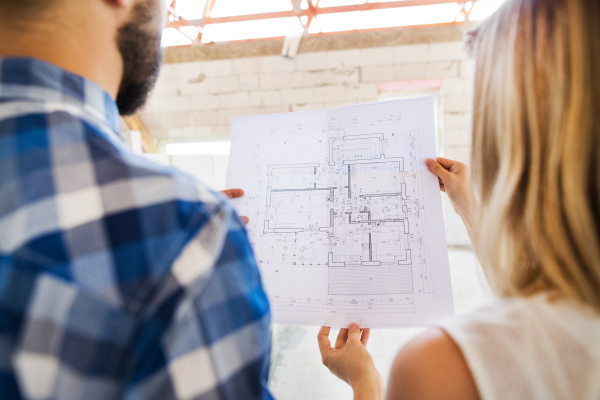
(431, 367)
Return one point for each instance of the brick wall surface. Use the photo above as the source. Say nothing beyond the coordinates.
(198, 99)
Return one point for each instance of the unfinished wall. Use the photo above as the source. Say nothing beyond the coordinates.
(198, 99)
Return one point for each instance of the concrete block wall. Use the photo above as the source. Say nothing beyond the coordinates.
(198, 99)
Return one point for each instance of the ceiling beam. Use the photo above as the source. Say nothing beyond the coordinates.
(318, 10)
(135, 123)
(210, 4)
(468, 13)
(311, 12)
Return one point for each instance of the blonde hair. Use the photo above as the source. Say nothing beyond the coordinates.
(536, 147)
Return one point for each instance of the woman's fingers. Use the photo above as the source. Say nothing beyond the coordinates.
(445, 162)
(365, 336)
(354, 332)
(438, 170)
(442, 187)
(323, 338)
(341, 339)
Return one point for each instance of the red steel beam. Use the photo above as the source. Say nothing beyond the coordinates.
(312, 11)
(468, 14)
(319, 10)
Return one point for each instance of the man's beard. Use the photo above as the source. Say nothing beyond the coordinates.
(141, 53)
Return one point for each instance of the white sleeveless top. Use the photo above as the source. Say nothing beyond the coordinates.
(530, 349)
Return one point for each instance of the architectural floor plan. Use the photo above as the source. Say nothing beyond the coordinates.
(345, 219)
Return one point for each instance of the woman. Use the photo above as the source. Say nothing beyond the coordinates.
(533, 214)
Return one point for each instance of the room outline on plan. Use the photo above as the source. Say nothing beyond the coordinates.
(355, 212)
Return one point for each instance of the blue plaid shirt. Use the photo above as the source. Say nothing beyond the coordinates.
(119, 278)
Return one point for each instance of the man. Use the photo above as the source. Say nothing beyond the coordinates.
(119, 278)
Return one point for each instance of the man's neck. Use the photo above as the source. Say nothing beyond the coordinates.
(79, 51)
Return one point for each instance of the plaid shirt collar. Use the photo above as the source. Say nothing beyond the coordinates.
(31, 79)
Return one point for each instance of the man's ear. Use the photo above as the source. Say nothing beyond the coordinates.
(120, 3)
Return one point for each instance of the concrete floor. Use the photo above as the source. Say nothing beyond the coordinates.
(296, 369)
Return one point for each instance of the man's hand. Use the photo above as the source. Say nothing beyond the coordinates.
(350, 361)
(234, 194)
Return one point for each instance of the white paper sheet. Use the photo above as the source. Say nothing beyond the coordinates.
(345, 219)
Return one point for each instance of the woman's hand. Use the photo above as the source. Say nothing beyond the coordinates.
(454, 181)
(350, 361)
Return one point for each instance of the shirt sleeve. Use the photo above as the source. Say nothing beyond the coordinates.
(208, 336)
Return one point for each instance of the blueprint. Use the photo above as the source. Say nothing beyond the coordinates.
(345, 219)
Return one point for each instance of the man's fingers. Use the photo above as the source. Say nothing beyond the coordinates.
(365, 336)
(354, 332)
(323, 338)
(437, 169)
(234, 193)
(341, 339)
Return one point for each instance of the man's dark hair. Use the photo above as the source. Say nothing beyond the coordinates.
(20, 9)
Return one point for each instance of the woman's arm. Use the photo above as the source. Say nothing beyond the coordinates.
(455, 182)
(431, 367)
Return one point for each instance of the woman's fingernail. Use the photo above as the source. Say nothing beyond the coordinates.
(429, 162)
